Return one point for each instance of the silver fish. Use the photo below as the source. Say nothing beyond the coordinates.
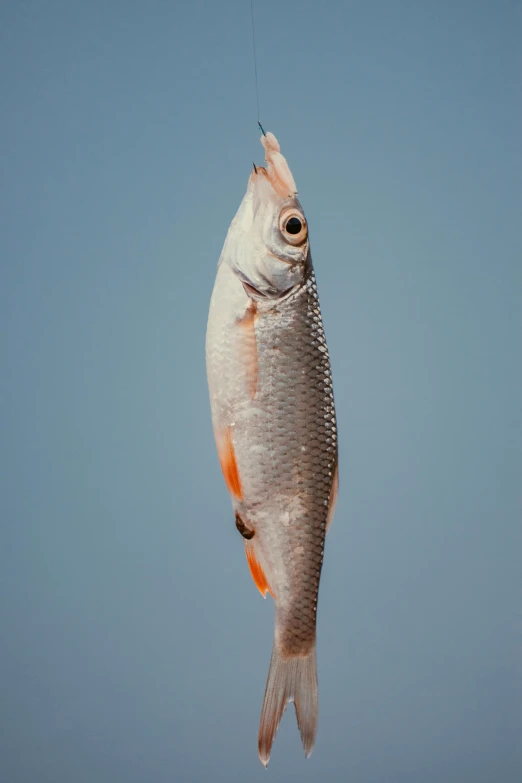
(274, 422)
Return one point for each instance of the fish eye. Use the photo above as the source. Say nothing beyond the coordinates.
(292, 225)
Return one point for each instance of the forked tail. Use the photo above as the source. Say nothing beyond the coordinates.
(289, 679)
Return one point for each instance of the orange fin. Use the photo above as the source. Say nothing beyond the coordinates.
(332, 502)
(227, 459)
(248, 348)
(258, 575)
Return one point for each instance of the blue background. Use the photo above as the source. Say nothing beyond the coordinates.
(134, 645)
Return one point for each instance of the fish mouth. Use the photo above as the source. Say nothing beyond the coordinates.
(277, 171)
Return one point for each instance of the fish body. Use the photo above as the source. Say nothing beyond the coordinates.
(274, 422)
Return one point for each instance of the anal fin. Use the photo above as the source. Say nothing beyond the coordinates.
(258, 575)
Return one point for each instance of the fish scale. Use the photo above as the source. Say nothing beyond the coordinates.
(298, 396)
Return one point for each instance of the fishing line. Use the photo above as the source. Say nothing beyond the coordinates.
(255, 61)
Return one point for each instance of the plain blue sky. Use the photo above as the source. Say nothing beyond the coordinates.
(134, 645)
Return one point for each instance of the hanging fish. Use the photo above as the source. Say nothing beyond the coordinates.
(274, 422)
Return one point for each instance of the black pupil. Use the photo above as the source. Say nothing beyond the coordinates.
(294, 225)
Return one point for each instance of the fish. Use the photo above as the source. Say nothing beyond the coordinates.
(273, 416)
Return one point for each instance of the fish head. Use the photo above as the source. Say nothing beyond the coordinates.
(267, 245)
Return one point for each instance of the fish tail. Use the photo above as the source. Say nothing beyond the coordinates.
(289, 679)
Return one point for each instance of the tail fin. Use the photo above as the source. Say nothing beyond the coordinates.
(289, 679)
